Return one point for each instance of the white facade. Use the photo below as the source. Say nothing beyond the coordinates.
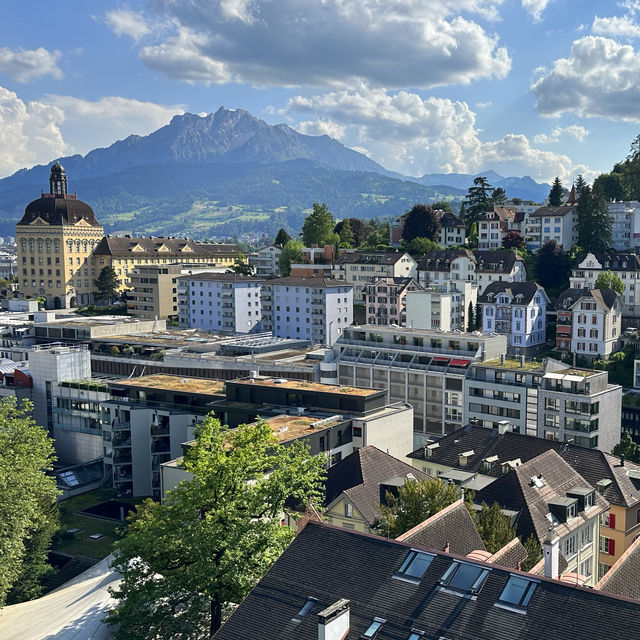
(441, 307)
(596, 328)
(266, 261)
(551, 223)
(625, 230)
(219, 302)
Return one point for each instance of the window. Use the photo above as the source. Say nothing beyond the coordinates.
(415, 634)
(348, 510)
(586, 536)
(608, 546)
(570, 546)
(374, 627)
(464, 577)
(518, 591)
(415, 564)
(308, 605)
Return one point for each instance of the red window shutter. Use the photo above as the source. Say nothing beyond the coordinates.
(612, 520)
(612, 547)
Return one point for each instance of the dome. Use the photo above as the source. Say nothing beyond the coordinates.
(59, 211)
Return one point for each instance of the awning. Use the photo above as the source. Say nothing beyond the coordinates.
(460, 363)
(438, 359)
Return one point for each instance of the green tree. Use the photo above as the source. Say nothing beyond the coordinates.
(107, 284)
(609, 280)
(472, 240)
(627, 448)
(534, 553)
(551, 265)
(415, 502)
(513, 240)
(184, 561)
(442, 205)
(478, 200)
(378, 236)
(291, 253)
(494, 527)
(498, 196)
(318, 227)
(610, 186)
(556, 192)
(28, 507)
(479, 316)
(242, 267)
(471, 321)
(421, 222)
(594, 222)
(420, 246)
(282, 237)
(579, 185)
(360, 229)
(347, 238)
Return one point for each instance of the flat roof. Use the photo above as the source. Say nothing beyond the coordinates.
(422, 332)
(511, 363)
(287, 427)
(174, 383)
(304, 385)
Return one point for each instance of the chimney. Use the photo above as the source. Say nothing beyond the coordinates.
(552, 554)
(503, 427)
(502, 358)
(522, 361)
(333, 622)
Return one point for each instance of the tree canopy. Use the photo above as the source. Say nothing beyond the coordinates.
(358, 228)
(107, 283)
(513, 240)
(555, 194)
(318, 227)
(478, 200)
(627, 448)
(282, 237)
(347, 237)
(419, 246)
(28, 507)
(494, 527)
(184, 561)
(242, 267)
(441, 205)
(609, 280)
(291, 253)
(551, 265)
(498, 196)
(377, 235)
(594, 221)
(421, 222)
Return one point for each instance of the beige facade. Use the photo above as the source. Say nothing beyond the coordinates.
(154, 292)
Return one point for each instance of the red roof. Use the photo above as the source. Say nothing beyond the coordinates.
(460, 363)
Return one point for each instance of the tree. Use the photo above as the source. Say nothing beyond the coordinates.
(420, 246)
(627, 448)
(478, 316)
(183, 561)
(594, 222)
(494, 527)
(291, 253)
(318, 227)
(421, 222)
(28, 507)
(478, 200)
(347, 239)
(282, 237)
(551, 265)
(513, 240)
(377, 236)
(107, 284)
(556, 192)
(471, 321)
(498, 196)
(416, 501)
(359, 229)
(242, 267)
(609, 280)
(579, 185)
(610, 186)
(472, 240)
(534, 553)
(442, 205)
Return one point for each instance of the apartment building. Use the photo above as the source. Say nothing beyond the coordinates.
(227, 302)
(552, 223)
(625, 265)
(314, 309)
(517, 310)
(589, 322)
(266, 261)
(625, 230)
(361, 268)
(385, 300)
(154, 292)
(424, 368)
(316, 262)
(494, 225)
(441, 306)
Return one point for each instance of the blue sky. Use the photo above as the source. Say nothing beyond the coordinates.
(524, 87)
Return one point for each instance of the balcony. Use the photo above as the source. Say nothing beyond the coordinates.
(121, 442)
(160, 430)
(122, 456)
(120, 425)
(161, 446)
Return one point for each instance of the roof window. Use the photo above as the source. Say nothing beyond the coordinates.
(373, 629)
(464, 577)
(416, 634)
(308, 605)
(518, 591)
(415, 565)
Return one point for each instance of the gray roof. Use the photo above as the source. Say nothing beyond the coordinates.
(605, 298)
(440, 259)
(623, 579)
(370, 257)
(525, 289)
(553, 211)
(313, 281)
(119, 245)
(221, 277)
(498, 261)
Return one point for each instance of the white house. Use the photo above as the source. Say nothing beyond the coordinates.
(552, 223)
(266, 261)
(441, 306)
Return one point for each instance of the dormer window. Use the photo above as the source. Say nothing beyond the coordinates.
(465, 578)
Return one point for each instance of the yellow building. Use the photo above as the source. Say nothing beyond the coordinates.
(55, 239)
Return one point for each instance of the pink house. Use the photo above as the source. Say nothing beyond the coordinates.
(385, 300)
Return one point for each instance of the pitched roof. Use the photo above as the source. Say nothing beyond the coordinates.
(220, 277)
(553, 211)
(525, 289)
(606, 298)
(617, 261)
(360, 475)
(328, 563)
(119, 245)
(517, 492)
(449, 220)
(312, 281)
(453, 527)
(512, 555)
(498, 261)
(592, 464)
(370, 257)
(440, 259)
(622, 577)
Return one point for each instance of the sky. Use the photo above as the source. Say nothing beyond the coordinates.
(523, 87)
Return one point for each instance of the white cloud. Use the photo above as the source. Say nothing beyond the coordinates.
(599, 78)
(333, 42)
(484, 104)
(29, 133)
(28, 64)
(574, 131)
(535, 8)
(616, 26)
(406, 133)
(125, 22)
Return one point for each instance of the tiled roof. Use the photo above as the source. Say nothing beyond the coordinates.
(616, 261)
(329, 563)
(451, 220)
(592, 464)
(453, 526)
(499, 261)
(220, 277)
(512, 555)
(623, 579)
(360, 475)
(119, 245)
(526, 289)
(553, 211)
(606, 298)
(440, 259)
(312, 281)
(370, 257)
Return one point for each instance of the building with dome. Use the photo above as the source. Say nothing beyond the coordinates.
(55, 240)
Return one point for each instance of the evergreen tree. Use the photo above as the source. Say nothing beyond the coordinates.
(242, 267)
(421, 222)
(282, 237)
(478, 200)
(471, 321)
(609, 280)
(291, 253)
(555, 195)
(358, 228)
(107, 284)
(498, 196)
(183, 561)
(534, 553)
(551, 265)
(347, 239)
(479, 316)
(594, 222)
(610, 186)
(472, 240)
(318, 227)
(579, 185)
(494, 527)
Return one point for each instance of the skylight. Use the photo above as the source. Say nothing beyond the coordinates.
(308, 605)
(416, 635)
(518, 591)
(373, 629)
(464, 577)
(415, 564)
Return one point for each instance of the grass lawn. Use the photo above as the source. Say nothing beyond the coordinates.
(81, 544)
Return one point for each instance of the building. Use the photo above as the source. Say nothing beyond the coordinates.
(314, 309)
(227, 302)
(441, 306)
(517, 310)
(494, 225)
(55, 240)
(361, 268)
(388, 590)
(625, 230)
(356, 487)
(424, 368)
(622, 578)
(154, 292)
(385, 300)
(593, 320)
(551, 498)
(453, 230)
(317, 262)
(625, 265)
(266, 261)
(552, 223)
(478, 456)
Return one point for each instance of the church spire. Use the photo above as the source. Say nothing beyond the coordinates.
(58, 180)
